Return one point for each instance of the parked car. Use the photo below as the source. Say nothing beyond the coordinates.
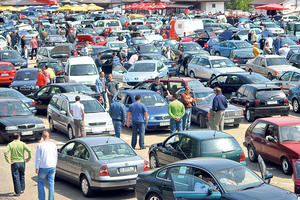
(52, 40)
(156, 105)
(14, 58)
(295, 60)
(97, 120)
(7, 73)
(144, 70)
(57, 66)
(261, 100)
(207, 67)
(224, 48)
(294, 98)
(270, 66)
(43, 53)
(25, 81)
(273, 28)
(201, 37)
(240, 56)
(15, 116)
(276, 139)
(289, 79)
(219, 178)
(192, 144)
(105, 163)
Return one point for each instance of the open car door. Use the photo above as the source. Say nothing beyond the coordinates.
(187, 187)
(266, 176)
(296, 170)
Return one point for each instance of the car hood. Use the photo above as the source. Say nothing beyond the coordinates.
(23, 83)
(14, 61)
(83, 38)
(261, 193)
(158, 110)
(17, 120)
(140, 75)
(293, 146)
(61, 50)
(282, 68)
(96, 117)
(89, 80)
(224, 70)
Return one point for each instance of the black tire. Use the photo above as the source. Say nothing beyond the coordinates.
(250, 70)
(192, 74)
(295, 104)
(153, 161)
(270, 76)
(286, 166)
(252, 155)
(236, 125)
(2, 140)
(202, 122)
(70, 136)
(51, 125)
(85, 187)
(154, 196)
(249, 116)
(217, 53)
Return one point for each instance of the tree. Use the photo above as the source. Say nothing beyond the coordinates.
(240, 4)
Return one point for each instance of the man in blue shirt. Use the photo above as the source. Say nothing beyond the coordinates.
(99, 63)
(219, 106)
(117, 112)
(139, 114)
(101, 87)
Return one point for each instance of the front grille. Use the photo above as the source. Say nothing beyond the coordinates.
(231, 113)
(97, 124)
(26, 126)
(24, 88)
(162, 117)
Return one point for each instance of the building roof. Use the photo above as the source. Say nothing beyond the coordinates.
(207, 1)
(264, 2)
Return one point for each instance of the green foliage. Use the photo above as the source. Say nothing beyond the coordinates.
(239, 4)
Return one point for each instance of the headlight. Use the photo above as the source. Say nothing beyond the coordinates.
(11, 128)
(151, 118)
(40, 126)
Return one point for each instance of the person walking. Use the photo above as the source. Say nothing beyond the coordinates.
(45, 165)
(77, 111)
(117, 112)
(270, 41)
(8, 39)
(14, 39)
(46, 73)
(277, 44)
(99, 62)
(17, 160)
(101, 87)
(139, 115)
(34, 46)
(218, 107)
(176, 111)
(23, 45)
(187, 101)
(112, 88)
(41, 79)
(210, 99)
(159, 87)
(262, 42)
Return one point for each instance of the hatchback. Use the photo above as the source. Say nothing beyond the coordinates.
(7, 73)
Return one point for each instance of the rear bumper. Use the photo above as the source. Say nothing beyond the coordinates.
(269, 111)
(111, 185)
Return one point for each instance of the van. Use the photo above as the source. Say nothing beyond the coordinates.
(81, 69)
(184, 27)
(114, 24)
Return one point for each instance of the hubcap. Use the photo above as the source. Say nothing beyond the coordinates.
(154, 198)
(152, 162)
(285, 165)
(70, 133)
(295, 105)
(251, 153)
(248, 115)
(84, 186)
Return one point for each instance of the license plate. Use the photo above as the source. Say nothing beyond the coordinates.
(126, 169)
(228, 121)
(98, 129)
(271, 102)
(27, 133)
(164, 123)
(5, 74)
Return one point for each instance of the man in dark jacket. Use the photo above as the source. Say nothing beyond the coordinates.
(219, 106)
(14, 38)
(117, 112)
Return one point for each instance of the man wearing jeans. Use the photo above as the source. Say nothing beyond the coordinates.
(187, 101)
(77, 111)
(176, 112)
(17, 161)
(45, 165)
(117, 112)
(139, 114)
(219, 106)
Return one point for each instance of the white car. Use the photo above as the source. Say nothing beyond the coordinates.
(145, 70)
(3, 42)
(273, 28)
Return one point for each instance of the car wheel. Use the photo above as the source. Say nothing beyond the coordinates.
(185, 71)
(286, 166)
(295, 104)
(154, 196)
(236, 125)
(153, 161)
(250, 70)
(85, 187)
(51, 125)
(217, 53)
(249, 116)
(270, 76)
(2, 140)
(70, 133)
(202, 122)
(251, 154)
(212, 77)
(192, 74)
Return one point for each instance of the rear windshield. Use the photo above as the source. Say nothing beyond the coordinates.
(257, 78)
(221, 145)
(113, 151)
(290, 133)
(268, 93)
(83, 70)
(26, 76)
(143, 67)
(277, 61)
(91, 106)
(6, 67)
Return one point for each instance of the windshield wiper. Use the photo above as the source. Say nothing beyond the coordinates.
(228, 151)
(251, 187)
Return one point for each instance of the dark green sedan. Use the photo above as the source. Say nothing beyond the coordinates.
(191, 144)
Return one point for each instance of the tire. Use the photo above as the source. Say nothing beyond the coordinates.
(295, 104)
(154, 196)
(270, 76)
(217, 53)
(249, 117)
(250, 70)
(192, 74)
(51, 125)
(202, 122)
(236, 125)
(153, 161)
(252, 154)
(85, 187)
(2, 140)
(70, 133)
(286, 166)
(185, 71)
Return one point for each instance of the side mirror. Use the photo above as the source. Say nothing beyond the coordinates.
(268, 177)
(63, 112)
(239, 95)
(271, 139)
(233, 93)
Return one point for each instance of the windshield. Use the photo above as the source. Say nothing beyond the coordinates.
(6, 67)
(143, 67)
(222, 63)
(192, 47)
(10, 55)
(10, 109)
(78, 88)
(117, 45)
(91, 106)
(268, 93)
(148, 49)
(241, 45)
(157, 57)
(194, 84)
(202, 95)
(11, 93)
(237, 178)
(113, 151)
(257, 78)
(290, 133)
(244, 54)
(271, 26)
(153, 100)
(83, 70)
(276, 61)
(26, 76)
(221, 145)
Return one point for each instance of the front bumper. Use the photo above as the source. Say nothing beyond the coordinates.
(25, 134)
(270, 111)
(233, 120)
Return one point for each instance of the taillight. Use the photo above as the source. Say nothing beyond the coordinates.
(59, 72)
(276, 73)
(236, 61)
(100, 98)
(257, 102)
(104, 171)
(146, 165)
(286, 101)
(207, 115)
(281, 87)
(174, 65)
(242, 157)
(33, 103)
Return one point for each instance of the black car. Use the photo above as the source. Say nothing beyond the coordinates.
(106, 56)
(25, 81)
(13, 57)
(15, 116)
(241, 56)
(231, 82)
(261, 100)
(207, 178)
(43, 96)
(56, 66)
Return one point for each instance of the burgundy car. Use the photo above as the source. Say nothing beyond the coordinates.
(276, 139)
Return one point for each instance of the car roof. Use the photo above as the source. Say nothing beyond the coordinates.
(27, 69)
(71, 96)
(94, 141)
(212, 57)
(136, 92)
(262, 86)
(281, 121)
(205, 134)
(80, 60)
(147, 61)
(8, 99)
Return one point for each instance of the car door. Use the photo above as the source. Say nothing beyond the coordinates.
(42, 98)
(285, 80)
(64, 117)
(296, 170)
(272, 149)
(58, 113)
(223, 48)
(232, 84)
(264, 70)
(219, 81)
(64, 158)
(165, 153)
(258, 140)
(206, 71)
(193, 66)
(294, 81)
(184, 149)
(254, 66)
(231, 46)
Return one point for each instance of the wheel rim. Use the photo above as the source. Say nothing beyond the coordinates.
(295, 105)
(154, 198)
(70, 133)
(153, 163)
(84, 186)
(248, 115)
(192, 75)
(270, 76)
(285, 165)
(251, 153)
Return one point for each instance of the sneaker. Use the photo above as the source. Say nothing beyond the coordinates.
(22, 191)
(16, 195)
(143, 148)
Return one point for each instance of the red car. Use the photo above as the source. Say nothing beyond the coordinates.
(7, 73)
(200, 37)
(276, 139)
(94, 40)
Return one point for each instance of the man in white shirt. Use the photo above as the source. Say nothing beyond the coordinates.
(270, 41)
(45, 165)
(77, 111)
(133, 59)
(284, 50)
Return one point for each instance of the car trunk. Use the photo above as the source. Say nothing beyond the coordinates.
(61, 53)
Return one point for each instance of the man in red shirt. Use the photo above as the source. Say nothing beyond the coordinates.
(41, 79)
(34, 46)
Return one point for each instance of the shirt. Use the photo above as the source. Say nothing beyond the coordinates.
(133, 59)
(100, 85)
(16, 149)
(47, 75)
(284, 51)
(187, 100)
(46, 155)
(77, 107)
(99, 64)
(34, 44)
(219, 103)
(137, 111)
(270, 41)
(41, 80)
(117, 111)
(256, 51)
(210, 99)
(52, 73)
(112, 87)
(176, 109)
(158, 87)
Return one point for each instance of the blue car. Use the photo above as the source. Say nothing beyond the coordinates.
(294, 98)
(225, 48)
(25, 81)
(156, 105)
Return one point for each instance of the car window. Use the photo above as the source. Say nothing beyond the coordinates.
(220, 145)
(128, 101)
(59, 103)
(172, 141)
(234, 80)
(55, 90)
(162, 174)
(185, 183)
(296, 77)
(220, 79)
(64, 106)
(205, 176)
(231, 45)
(160, 66)
(145, 86)
(80, 151)
(286, 76)
(53, 101)
(175, 86)
(224, 44)
(259, 129)
(272, 130)
(186, 146)
(205, 62)
(194, 60)
(177, 170)
(257, 61)
(241, 90)
(113, 151)
(68, 149)
(43, 91)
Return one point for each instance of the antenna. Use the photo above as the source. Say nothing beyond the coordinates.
(215, 133)
(107, 139)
